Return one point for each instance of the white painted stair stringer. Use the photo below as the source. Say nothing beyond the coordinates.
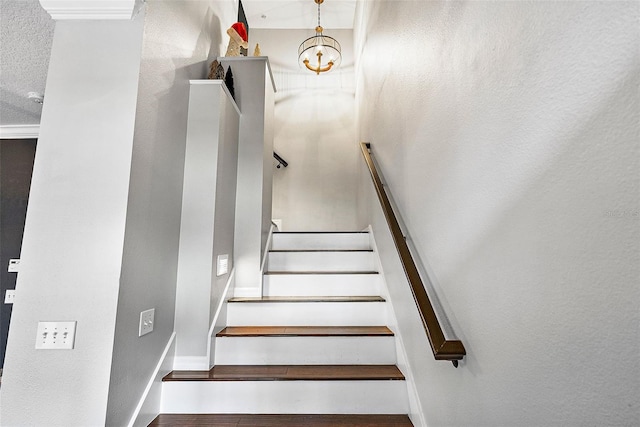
(298, 397)
(415, 407)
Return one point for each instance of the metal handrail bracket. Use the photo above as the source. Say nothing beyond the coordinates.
(442, 348)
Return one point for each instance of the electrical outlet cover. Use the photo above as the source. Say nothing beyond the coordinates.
(56, 335)
(146, 322)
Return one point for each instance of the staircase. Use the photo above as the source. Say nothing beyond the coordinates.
(314, 350)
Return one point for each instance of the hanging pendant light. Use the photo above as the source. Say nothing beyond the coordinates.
(319, 53)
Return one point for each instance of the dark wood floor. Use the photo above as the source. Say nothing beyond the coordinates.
(304, 331)
(250, 420)
(289, 373)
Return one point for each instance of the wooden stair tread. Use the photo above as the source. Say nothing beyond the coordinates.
(320, 232)
(284, 420)
(289, 373)
(318, 250)
(365, 298)
(320, 272)
(304, 331)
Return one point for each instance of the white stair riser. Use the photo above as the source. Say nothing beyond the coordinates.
(307, 314)
(273, 397)
(289, 241)
(321, 261)
(360, 350)
(321, 284)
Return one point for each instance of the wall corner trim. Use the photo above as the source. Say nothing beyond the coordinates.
(92, 10)
(19, 131)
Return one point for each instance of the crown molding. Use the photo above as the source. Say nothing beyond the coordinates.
(91, 9)
(19, 131)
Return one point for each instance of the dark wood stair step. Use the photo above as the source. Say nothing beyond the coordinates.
(289, 373)
(320, 232)
(309, 299)
(304, 331)
(283, 420)
(318, 250)
(319, 272)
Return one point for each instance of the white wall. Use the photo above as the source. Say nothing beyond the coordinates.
(314, 131)
(180, 39)
(75, 227)
(508, 133)
(254, 95)
(208, 217)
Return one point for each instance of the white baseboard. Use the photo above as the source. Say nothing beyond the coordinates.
(149, 405)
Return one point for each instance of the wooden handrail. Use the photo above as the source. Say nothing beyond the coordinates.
(442, 348)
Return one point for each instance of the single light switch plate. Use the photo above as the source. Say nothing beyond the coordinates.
(9, 296)
(223, 265)
(56, 335)
(146, 322)
(14, 266)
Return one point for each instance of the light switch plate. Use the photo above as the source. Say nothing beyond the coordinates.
(222, 265)
(14, 266)
(9, 296)
(56, 335)
(146, 322)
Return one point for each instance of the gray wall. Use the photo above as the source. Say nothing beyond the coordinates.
(508, 133)
(314, 131)
(16, 167)
(180, 38)
(102, 226)
(208, 218)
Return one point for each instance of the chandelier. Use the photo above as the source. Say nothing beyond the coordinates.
(319, 53)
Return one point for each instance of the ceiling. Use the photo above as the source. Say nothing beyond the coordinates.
(299, 14)
(26, 34)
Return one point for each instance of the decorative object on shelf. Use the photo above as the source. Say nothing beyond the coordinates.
(228, 81)
(216, 71)
(256, 51)
(237, 39)
(325, 48)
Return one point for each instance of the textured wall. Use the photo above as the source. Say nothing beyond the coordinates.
(26, 31)
(508, 132)
(75, 227)
(180, 37)
(314, 131)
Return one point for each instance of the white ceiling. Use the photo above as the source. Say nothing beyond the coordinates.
(299, 14)
(26, 34)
